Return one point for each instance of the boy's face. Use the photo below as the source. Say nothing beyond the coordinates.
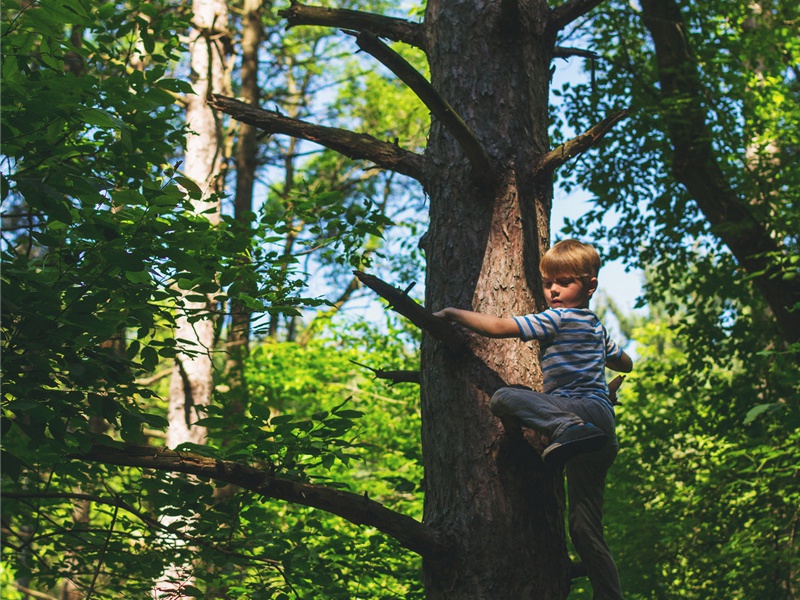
(568, 291)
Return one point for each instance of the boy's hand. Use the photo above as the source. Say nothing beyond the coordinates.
(613, 386)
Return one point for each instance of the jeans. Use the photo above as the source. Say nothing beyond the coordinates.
(586, 474)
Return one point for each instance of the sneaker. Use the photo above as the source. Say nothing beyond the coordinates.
(576, 439)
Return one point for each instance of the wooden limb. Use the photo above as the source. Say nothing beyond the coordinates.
(569, 11)
(431, 98)
(398, 30)
(356, 508)
(558, 156)
(566, 52)
(400, 302)
(393, 376)
(354, 145)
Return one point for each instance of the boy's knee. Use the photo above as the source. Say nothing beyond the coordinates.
(498, 403)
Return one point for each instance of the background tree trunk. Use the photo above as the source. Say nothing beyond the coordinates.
(238, 346)
(486, 489)
(192, 376)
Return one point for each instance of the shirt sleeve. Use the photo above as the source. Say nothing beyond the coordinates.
(613, 351)
(541, 326)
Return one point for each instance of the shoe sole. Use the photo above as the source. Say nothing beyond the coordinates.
(559, 454)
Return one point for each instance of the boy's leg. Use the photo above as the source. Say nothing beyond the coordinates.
(566, 421)
(546, 414)
(586, 475)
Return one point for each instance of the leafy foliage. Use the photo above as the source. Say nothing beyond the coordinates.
(697, 484)
(746, 58)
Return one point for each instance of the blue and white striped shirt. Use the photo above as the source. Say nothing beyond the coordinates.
(575, 347)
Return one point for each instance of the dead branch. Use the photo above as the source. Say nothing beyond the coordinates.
(431, 98)
(404, 376)
(398, 30)
(567, 52)
(354, 145)
(558, 156)
(401, 303)
(358, 509)
(569, 11)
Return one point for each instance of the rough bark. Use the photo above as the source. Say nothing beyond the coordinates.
(696, 165)
(486, 490)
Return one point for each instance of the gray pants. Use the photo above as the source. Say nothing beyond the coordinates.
(586, 474)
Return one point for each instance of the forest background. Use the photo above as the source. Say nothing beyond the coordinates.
(174, 278)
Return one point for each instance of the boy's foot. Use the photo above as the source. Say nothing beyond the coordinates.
(576, 439)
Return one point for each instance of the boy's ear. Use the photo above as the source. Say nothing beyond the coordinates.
(591, 286)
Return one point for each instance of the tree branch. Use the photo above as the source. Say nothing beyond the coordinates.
(355, 508)
(431, 98)
(401, 303)
(566, 52)
(398, 30)
(404, 376)
(558, 156)
(354, 145)
(570, 11)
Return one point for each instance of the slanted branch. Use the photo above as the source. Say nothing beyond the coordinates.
(569, 11)
(401, 303)
(353, 145)
(438, 106)
(558, 156)
(398, 30)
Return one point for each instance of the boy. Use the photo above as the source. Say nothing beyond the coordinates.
(575, 410)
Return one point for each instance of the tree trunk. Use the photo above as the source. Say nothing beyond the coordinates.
(486, 489)
(237, 346)
(192, 379)
(191, 384)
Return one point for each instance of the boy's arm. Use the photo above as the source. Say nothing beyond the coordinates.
(486, 325)
(622, 363)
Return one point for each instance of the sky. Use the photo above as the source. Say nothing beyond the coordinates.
(622, 286)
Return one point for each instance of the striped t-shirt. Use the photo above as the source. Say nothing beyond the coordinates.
(575, 347)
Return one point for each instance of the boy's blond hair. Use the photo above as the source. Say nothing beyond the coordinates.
(570, 257)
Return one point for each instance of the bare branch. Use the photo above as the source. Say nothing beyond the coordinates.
(569, 11)
(404, 376)
(354, 145)
(358, 509)
(567, 52)
(398, 30)
(431, 98)
(558, 156)
(401, 303)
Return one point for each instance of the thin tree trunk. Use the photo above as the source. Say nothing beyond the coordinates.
(192, 379)
(246, 164)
